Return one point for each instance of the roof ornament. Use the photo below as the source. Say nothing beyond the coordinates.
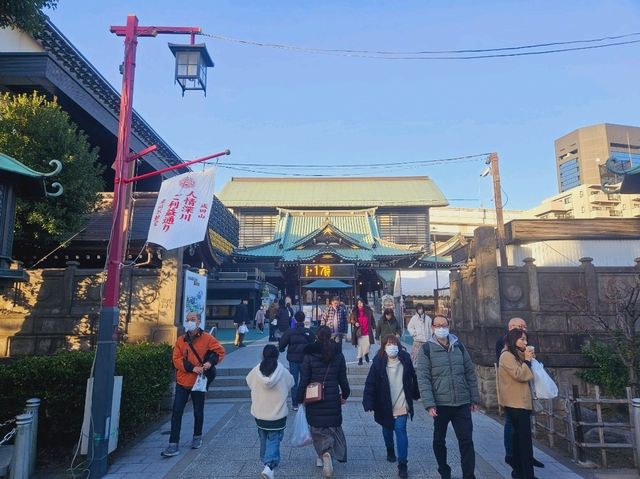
(58, 187)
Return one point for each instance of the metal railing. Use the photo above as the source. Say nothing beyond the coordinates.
(25, 431)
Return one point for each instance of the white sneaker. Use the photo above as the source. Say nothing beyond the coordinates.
(319, 462)
(327, 465)
(267, 473)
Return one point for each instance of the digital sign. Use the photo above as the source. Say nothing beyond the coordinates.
(317, 271)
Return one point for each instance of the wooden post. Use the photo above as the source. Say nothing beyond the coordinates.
(497, 199)
(570, 428)
(603, 451)
(578, 420)
(551, 422)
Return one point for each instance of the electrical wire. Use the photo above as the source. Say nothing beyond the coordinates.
(476, 157)
(463, 54)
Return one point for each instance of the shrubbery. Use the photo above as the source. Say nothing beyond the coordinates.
(609, 373)
(60, 382)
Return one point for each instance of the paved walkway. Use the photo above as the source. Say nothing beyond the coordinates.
(231, 444)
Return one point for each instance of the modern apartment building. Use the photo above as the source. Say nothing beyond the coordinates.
(587, 201)
(580, 153)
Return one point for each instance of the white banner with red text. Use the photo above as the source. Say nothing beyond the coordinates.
(181, 214)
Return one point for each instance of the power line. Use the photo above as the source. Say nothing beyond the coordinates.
(498, 52)
(476, 157)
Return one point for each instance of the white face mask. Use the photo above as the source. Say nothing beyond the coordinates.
(190, 326)
(441, 333)
(391, 350)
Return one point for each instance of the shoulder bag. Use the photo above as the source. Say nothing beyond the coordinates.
(210, 373)
(315, 391)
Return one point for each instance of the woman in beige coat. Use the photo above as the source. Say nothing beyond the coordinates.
(514, 376)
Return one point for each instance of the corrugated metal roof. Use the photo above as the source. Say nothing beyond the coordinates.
(331, 192)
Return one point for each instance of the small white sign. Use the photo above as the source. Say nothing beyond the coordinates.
(182, 210)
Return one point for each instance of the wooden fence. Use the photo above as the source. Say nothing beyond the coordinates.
(562, 421)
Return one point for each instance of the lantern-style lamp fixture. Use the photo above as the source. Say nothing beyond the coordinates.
(192, 62)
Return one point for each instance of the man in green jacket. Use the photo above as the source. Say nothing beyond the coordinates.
(449, 392)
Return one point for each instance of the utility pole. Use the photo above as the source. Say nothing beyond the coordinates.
(107, 336)
(492, 161)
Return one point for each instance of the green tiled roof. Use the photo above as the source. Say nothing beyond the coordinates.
(350, 235)
(11, 165)
(331, 192)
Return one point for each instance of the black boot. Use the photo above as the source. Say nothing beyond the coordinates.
(360, 362)
(366, 357)
(402, 470)
(391, 454)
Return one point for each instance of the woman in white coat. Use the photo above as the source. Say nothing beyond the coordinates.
(420, 330)
(270, 383)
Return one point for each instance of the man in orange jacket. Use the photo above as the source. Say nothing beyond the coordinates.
(194, 353)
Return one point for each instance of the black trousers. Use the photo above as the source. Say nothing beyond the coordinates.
(460, 418)
(522, 443)
(179, 402)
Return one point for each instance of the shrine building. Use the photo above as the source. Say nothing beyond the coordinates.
(313, 237)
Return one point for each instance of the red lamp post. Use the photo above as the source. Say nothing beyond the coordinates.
(104, 368)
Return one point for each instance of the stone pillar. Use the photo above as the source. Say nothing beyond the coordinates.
(455, 292)
(169, 297)
(69, 285)
(534, 290)
(485, 245)
(590, 283)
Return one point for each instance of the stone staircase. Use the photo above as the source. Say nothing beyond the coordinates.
(230, 384)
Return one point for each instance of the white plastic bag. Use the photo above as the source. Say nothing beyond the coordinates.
(301, 435)
(543, 385)
(201, 384)
(243, 329)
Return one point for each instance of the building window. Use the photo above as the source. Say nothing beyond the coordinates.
(567, 200)
(256, 228)
(569, 174)
(582, 209)
(403, 226)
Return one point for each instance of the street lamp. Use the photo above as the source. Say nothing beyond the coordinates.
(107, 335)
(192, 62)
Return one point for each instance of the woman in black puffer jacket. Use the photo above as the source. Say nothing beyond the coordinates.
(324, 363)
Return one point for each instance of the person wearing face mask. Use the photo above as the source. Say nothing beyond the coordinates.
(389, 391)
(420, 329)
(194, 353)
(387, 324)
(514, 378)
(449, 392)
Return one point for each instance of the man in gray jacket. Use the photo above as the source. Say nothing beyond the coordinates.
(449, 392)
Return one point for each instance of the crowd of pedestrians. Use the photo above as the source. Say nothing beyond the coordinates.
(438, 372)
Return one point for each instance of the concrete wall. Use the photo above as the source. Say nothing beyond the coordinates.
(484, 297)
(59, 308)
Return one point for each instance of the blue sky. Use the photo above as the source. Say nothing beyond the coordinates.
(275, 106)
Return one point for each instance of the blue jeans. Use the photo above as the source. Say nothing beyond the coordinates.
(270, 447)
(294, 369)
(508, 436)
(400, 428)
(179, 402)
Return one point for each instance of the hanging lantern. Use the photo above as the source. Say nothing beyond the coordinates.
(192, 62)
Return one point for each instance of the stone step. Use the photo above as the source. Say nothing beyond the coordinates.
(232, 372)
(225, 381)
(228, 392)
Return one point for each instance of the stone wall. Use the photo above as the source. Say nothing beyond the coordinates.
(484, 297)
(59, 308)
